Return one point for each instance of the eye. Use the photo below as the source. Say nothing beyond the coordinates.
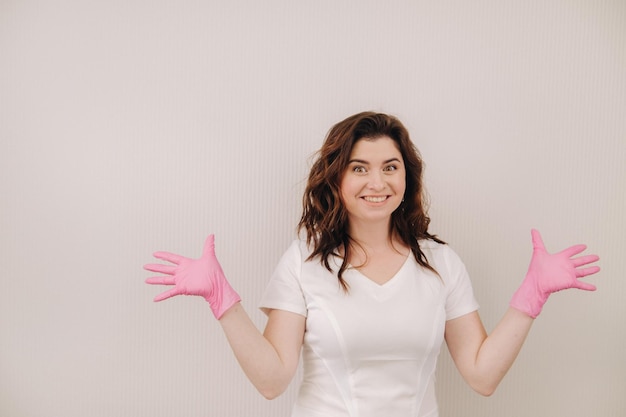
(359, 169)
(391, 167)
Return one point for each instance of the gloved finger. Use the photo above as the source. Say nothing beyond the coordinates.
(537, 240)
(209, 246)
(160, 268)
(583, 272)
(584, 260)
(162, 280)
(167, 294)
(581, 285)
(169, 257)
(573, 250)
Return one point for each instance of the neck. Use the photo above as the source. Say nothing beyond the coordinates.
(373, 241)
(371, 235)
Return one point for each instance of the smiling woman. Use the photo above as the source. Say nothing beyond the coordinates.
(372, 188)
(369, 296)
(350, 148)
(373, 185)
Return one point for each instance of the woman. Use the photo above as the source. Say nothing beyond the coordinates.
(369, 296)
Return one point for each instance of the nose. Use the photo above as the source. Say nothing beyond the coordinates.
(376, 181)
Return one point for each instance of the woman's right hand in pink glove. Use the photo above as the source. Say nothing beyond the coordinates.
(203, 277)
(550, 273)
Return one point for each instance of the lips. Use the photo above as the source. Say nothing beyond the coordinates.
(372, 199)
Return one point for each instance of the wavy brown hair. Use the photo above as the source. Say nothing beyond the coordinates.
(324, 217)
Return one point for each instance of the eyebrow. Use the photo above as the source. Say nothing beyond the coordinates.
(361, 161)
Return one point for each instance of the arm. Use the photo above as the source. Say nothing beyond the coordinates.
(270, 359)
(484, 360)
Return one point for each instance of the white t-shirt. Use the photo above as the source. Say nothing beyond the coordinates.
(370, 352)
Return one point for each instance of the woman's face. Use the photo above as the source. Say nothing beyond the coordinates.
(373, 184)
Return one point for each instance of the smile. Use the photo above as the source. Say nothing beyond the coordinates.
(374, 199)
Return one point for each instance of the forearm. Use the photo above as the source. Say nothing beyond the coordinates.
(484, 360)
(499, 350)
(269, 359)
(258, 358)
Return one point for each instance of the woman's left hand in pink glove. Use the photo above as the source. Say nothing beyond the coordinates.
(549, 273)
(203, 277)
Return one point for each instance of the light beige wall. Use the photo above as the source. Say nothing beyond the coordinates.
(131, 126)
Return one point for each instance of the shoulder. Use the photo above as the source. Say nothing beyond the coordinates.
(298, 249)
(430, 244)
(435, 251)
(296, 255)
(443, 258)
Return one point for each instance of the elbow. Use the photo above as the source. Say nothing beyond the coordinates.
(485, 389)
(273, 383)
(483, 383)
(271, 392)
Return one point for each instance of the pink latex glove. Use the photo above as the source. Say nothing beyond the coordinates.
(550, 273)
(203, 276)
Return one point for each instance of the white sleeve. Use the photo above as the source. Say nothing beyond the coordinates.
(460, 299)
(283, 291)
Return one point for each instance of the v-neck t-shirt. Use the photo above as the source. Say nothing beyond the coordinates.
(371, 351)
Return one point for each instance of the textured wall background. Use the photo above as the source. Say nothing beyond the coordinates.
(133, 126)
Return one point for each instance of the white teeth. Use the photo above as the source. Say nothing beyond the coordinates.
(375, 199)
